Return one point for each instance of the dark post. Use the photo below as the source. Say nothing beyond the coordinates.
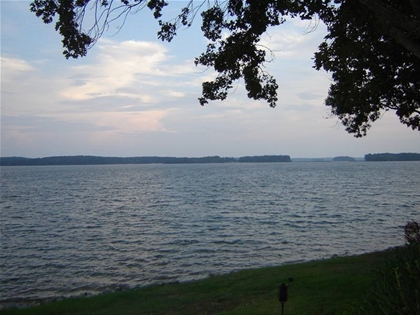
(282, 296)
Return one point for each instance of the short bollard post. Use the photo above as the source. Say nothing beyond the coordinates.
(282, 296)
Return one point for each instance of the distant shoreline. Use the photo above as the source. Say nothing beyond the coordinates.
(100, 160)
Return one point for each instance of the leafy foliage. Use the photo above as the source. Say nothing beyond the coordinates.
(372, 73)
(412, 233)
(396, 286)
(372, 48)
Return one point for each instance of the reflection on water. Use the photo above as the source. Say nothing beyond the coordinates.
(67, 230)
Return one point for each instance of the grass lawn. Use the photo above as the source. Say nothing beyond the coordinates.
(329, 286)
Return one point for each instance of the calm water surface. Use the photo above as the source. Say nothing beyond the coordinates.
(71, 230)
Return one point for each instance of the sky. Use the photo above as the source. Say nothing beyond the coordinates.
(134, 95)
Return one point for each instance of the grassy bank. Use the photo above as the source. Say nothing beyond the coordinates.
(329, 286)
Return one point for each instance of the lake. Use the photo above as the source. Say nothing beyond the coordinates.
(74, 230)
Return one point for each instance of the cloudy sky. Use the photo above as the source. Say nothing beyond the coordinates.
(134, 95)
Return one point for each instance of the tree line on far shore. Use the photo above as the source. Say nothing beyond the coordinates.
(393, 157)
(99, 160)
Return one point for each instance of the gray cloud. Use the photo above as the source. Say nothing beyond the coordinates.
(31, 124)
(309, 96)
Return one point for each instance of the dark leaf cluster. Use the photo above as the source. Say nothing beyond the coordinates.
(371, 72)
(70, 16)
(75, 42)
(412, 233)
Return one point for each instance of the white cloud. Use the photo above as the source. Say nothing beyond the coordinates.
(293, 39)
(26, 88)
(129, 122)
(10, 65)
(116, 65)
(86, 98)
(133, 69)
(176, 94)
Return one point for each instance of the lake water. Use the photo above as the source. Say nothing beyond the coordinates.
(72, 230)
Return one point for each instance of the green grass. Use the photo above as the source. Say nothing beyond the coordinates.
(330, 286)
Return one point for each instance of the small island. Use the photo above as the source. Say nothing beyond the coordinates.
(343, 159)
